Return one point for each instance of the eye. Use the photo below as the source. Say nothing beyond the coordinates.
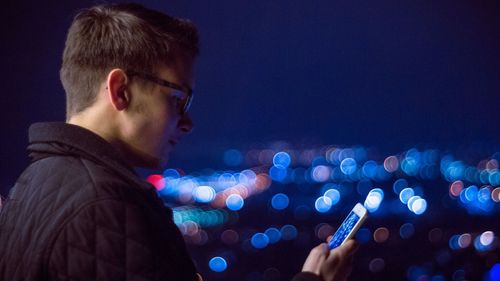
(177, 97)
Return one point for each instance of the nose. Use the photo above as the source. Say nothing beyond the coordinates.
(185, 124)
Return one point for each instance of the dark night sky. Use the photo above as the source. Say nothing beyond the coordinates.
(385, 73)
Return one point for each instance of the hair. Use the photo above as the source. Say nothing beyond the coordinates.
(126, 36)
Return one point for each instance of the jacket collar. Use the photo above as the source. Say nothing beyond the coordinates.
(58, 138)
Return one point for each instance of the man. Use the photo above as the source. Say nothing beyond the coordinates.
(79, 211)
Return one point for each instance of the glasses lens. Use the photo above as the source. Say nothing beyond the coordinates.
(187, 105)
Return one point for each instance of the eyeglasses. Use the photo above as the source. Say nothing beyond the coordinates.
(185, 102)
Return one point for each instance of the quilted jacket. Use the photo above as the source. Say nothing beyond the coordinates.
(79, 212)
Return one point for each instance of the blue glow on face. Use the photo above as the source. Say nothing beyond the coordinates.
(282, 159)
(495, 272)
(406, 194)
(399, 185)
(273, 234)
(234, 202)
(323, 204)
(406, 230)
(288, 232)
(280, 201)
(277, 173)
(333, 194)
(204, 194)
(217, 264)
(260, 240)
(233, 157)
(348, 166)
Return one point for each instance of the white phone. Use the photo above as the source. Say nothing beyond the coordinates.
(349, 227)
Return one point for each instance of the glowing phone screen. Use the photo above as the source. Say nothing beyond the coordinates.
(344, 230)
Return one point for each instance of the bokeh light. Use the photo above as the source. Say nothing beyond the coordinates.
(204, 193)
(348, 166)
(323, 204)
(217, 264)
(260, 240)
(280, 201)
(273, 234)
(234, 202)
(381, 234)
(282, 159)
(288, 232)
(407, 230)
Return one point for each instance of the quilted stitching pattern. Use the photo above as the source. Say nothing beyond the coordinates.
(70, 218)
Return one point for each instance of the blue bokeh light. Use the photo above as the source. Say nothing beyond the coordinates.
(282, 159)
(419, 206)
(370, 169)
(323, 204)
(280, 201)
(453, 242)
(333, 194)
(348, 166)
(399, 185)
(494, 273)
(259, 240)
(217, 264)
(234, 202)
(471, 193)
(204, 194)
(277, 173)
(374, 199)
(288, 232)
(406, 230)
(273, 234)
(406, 194)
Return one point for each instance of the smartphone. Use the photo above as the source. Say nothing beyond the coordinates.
(349, 227)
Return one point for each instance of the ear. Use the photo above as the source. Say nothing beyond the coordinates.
(116, 86)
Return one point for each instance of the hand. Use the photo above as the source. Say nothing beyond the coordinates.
(334, 265)
(199, 277)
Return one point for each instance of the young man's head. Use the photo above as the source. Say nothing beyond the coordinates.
(127, 73)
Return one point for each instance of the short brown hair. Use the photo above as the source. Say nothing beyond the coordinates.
(127, 36)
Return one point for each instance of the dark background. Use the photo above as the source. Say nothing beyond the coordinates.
(386, 74)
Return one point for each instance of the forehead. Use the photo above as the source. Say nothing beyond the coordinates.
(178, 70)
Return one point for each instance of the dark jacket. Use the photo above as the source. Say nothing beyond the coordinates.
(79, 212)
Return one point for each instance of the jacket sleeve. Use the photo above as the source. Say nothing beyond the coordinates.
(111, 239)
(306, 276)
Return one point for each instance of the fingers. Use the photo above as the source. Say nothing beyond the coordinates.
(348, 248)
(338, 264)
(316, 258)
(199, 277)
